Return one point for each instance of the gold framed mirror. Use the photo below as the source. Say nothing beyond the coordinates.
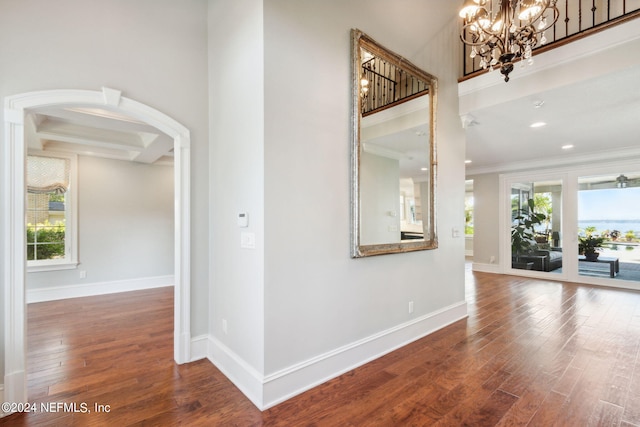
(393, 152)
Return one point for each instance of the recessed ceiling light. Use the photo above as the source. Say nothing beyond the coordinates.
(466, 162)
(424, 169)
(537, 124)
(567, 147)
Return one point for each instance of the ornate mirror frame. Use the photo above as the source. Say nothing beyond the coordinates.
(360, 42)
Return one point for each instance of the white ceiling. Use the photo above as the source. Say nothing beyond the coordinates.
(590, 101)
(97, 132)
(594, 116)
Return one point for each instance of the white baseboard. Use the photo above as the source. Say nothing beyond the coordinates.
(2, 413)
(486, 268)
(98, 288)
(244, 376)
(14, 389)
(268, 391)
(199, 347)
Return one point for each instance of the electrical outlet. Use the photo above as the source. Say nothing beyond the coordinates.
(410, 307)
(83, 274)
(225, 329)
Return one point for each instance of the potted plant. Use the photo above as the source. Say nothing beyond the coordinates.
(614, 235)
(630, 235)
(523, 233)
(589, 246)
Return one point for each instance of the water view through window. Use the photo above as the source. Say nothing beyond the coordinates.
(609, 225)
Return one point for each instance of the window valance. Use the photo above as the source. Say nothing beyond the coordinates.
(47, 174)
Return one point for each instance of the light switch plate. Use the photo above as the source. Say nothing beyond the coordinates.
(248, 240)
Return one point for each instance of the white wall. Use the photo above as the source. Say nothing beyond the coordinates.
(280, 151)
(154, 51)
(125, 224)
(486, 233)
(318, 299)
(236, 93)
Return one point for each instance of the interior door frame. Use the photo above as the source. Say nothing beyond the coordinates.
(14, 249)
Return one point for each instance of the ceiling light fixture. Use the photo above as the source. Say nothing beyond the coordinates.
(537, 125)
(567, 147)
(502, 32)
(466, 162)
(621, 181)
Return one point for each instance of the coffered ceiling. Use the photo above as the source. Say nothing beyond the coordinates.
(97, 132)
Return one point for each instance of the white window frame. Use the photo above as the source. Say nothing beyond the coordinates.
(70, 260)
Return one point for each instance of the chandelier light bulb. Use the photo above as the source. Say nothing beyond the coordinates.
(543, 24)
(484, 23)
(468, 10)
(529, 13)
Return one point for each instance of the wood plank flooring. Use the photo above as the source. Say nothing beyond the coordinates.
(531, 353)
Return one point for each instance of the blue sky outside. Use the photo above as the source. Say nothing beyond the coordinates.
(618, 204)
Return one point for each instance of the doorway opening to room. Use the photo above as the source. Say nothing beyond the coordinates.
(468, 219)
(172, 137)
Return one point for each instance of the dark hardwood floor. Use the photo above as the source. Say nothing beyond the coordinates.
(532, 352)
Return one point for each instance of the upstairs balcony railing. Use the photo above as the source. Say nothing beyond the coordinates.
(577, 19)
(388, 85)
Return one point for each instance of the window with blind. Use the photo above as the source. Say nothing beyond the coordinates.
(51, 211)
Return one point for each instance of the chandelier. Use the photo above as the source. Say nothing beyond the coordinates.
(501, 32)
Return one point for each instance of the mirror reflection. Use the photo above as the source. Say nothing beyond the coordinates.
(393, 152)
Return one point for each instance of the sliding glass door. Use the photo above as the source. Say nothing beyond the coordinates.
(536, 226)
(581, 225)
(609, 226)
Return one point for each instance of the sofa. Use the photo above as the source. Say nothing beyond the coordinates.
(543, 259)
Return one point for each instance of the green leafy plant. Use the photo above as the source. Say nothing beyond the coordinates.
(589, 245)
(522, 231)
(45, 241)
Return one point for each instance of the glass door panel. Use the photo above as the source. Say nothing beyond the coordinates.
(536, 225)
(609, 226)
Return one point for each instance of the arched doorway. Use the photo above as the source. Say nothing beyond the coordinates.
(13, 166)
